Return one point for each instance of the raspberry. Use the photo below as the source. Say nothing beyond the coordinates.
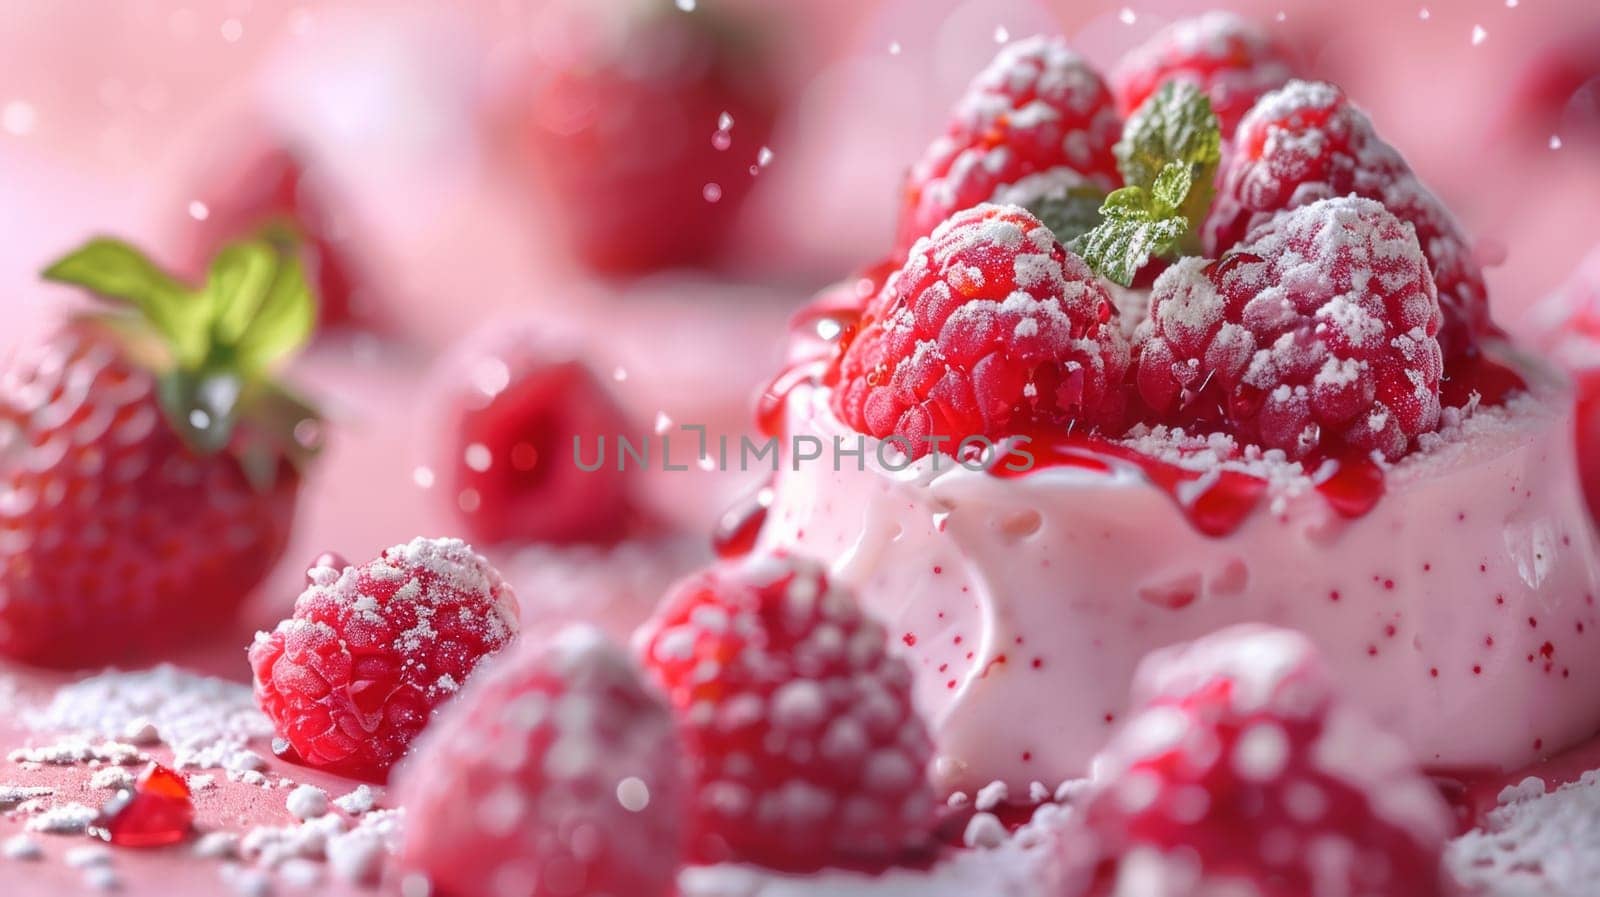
(1036, 108)
(1317, 330)
(1230, 58)
(1243, 773)
(804, 745)
(555, 773)
(642, 128)
(352, 676)
(517, 405)
(1307, 142)
(992, 326)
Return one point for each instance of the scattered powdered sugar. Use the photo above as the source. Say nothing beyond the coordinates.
(207, 722)
(21, 848)
(68, 819)
(73, 751)
(307, 802)
(1534, 844)
(111, 778)
(12, 796)
(357, 802)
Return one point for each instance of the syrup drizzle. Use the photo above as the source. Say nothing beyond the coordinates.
(740, 526)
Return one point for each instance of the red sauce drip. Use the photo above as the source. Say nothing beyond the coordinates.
(740, 526)
(1355, 485)
(1215, 504)
(157, 812)
(774, 398)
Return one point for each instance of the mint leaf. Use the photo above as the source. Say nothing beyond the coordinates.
(1135, 225)
(1168, 157)
(115, 270)
(262, 306)
(1071, 214)
(1176, 124)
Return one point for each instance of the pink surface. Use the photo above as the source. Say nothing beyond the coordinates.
(106, 109)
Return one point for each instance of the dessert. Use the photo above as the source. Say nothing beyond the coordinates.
(1320, 430)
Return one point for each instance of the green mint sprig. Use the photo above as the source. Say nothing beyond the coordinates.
(1168, 157)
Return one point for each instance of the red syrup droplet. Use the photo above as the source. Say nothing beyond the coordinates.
(1215, 503)
(1355, 485)
(157, 812)
(740, 526)
(774, 398)
(1491, 380)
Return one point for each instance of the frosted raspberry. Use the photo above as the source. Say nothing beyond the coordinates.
(1308, 142)
(992, 326)
(805, 748)
(1317, 331)
(1232, 59)
(1037, 107)
(516, 401)
(1243, 773)
(353, 675)
(556, 773)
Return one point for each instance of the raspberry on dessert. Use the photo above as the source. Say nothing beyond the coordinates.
(352, 677)
(270, 192)
(1307, 142)
(555, 773)
(1230, 58)
(1317, 331)
(518, 403)
(135, 511)
(644, 126)
(1242, 772)
(991, 327)
(1037, 108)
(804, 745)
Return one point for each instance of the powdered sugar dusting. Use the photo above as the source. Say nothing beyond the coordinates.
(1534, 844)
(208, 722)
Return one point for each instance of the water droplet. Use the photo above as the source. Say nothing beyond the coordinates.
(308, 433)
(232, 30)
(423, 477)
(1127, 16)
(721, 140)
(724, 122)
(764, 157)
(199, 211)
(633, 794)
(1479, 35)
(663, 422)
(1001, 35)
(478, 457)
(18, 118)
(686, 5)
(712, 192)
(894, 48)
(1555, 141)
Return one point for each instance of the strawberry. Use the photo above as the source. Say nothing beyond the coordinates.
(1307, 142)
(518, 404)
(555, 773)
(805, 749)
(1242, 772)
(643, 125)
(1038, 109)
(990, 328)
(1314, 333)
(352, 677)
(149, 462)
(270, 192)
(1230, 58)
